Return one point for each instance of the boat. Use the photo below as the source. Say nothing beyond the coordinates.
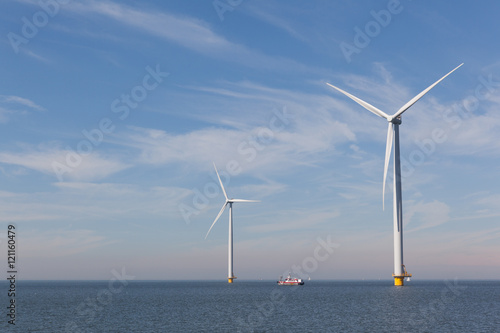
(290, 281)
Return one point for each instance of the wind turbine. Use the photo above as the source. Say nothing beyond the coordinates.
(230, 275)
(393, 138)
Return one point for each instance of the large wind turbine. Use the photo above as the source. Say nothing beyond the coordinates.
(393, 138)
(230, 275)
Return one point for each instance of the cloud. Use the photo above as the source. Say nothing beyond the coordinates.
(5, 114)
(159, 147)
(423, 215)
(270, 188)
(256, 148)
(296, 220)
(91, 166)
(380, 90)
(123, 201)
(21, 101)
(188, 32)
(275, 20)
(10, 105)
(60, 242)
(94, 204)
(309, 125)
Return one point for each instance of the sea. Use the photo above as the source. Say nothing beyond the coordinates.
(251, 306)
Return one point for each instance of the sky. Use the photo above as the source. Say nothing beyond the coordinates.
(112, 114)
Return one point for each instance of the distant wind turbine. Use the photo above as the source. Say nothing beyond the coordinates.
(230, 275)
(393, 138)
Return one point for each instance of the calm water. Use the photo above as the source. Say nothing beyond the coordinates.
(260, 306)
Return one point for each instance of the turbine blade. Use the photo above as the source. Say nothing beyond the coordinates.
(243, 200)
(416, 98)
(367, 106)
(220, 213)
(220, 181)
(388, 148)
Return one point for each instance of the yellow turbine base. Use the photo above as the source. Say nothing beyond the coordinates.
(230, 280)
(399, 281)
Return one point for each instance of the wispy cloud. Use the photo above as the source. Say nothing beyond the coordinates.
(275, 20)
(5, 114)
(321, 121)
(296, 220)
(121, 201)
(21, 101)
(306, 133)
(11, 105)
(263, 190)
(41, 158)
(90, 203)
(188, 32)
(423, 215)
(63, 242)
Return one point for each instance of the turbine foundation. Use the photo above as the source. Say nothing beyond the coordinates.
(230, 279)
(399, 279)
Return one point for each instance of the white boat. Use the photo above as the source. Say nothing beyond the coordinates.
(290, 281)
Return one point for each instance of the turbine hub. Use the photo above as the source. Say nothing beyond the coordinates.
(396, 121)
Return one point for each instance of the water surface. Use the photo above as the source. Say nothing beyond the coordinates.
(254, 306)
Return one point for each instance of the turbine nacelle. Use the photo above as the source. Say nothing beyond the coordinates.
(395, 121)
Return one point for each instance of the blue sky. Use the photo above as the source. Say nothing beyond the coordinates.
(112, 113)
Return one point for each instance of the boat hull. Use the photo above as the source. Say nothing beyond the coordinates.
(281, 283)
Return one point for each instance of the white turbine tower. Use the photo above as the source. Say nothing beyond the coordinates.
(393, 138)
(230, 275)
